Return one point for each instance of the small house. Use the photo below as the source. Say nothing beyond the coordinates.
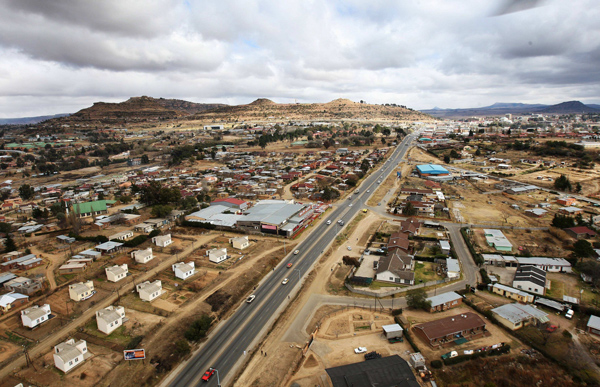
(240, 243)
(35, 315)
(116, 273)
(110, 318)
(217, 255)
(81, 291)
(69, 354)
(593, 325)
(12, 300)
(162, 240)
(184, 270)
(142, 256)
(445, 301)
(149, 291)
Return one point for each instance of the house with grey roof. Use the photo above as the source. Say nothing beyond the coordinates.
(162, 240)
(217, 255)
(149, 291)
(516, 316)
(445, 301)
(110, 318)
(35, 315)
(396, 267)
(142, 256)
(70, 354)
(184, 270)
(593, 325)
(81, 291)
(116, 273)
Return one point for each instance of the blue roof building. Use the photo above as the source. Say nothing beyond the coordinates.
(432, 169)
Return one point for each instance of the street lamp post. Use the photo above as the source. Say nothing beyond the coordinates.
(218, 380)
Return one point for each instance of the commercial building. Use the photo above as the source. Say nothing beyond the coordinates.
(516, 316)
(497, 240)
(452, 329)
(530, 278)
(387, 371)
(277, 217)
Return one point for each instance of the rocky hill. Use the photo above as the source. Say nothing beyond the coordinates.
(569, 107)
(133, 111)
(500, 109)
(340, 109)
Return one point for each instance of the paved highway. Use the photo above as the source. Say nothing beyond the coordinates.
(233, 339)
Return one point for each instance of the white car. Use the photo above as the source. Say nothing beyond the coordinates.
(296, 252)
(285, 281)
(349, 248)
(360, 350)
(329, 221)
(250, 299)
(368, 190)
(350, 205)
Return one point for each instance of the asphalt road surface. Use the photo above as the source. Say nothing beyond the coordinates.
(233, 339)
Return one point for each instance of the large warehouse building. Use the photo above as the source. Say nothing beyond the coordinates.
(432, 170)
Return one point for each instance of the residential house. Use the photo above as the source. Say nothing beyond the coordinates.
(148, 291)
(398, 240)
(580, 232)
(448, 329)
(217, 255)
(184, 270)
(121, 236)
(90, 209)
(593, 325)
(516, 316)
(239, 243)
(24, 285)
(109, 247)
(396, 267)
(110, 318)
(162, 240)
(70, 354)
(566, 201)
(445, 301)
(35, 315)
(142, 256)
(81, 291)
(512, 293)
(12, 300)
(116, 273)
(496, 239)
(453, 268)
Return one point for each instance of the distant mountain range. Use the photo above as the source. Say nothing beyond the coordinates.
(500, 109)
(29, 120)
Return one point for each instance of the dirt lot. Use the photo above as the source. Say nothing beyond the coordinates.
(536, 242)
(88, 374)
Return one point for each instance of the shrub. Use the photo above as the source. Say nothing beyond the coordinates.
(134, 342)
(198, 328)
(567, 334)
(437, 364)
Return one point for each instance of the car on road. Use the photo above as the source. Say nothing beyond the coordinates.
(285, 281)
(289, 265)
(341, 222)
(329, 221)
(378, 204)
(296, 252)
(368, 190)
(360, 350)
(349, 248)
(208, 374)
(250, 299)
(378, 181)
(350, 205)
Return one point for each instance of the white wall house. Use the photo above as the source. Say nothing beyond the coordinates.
(217, 255)
(121, 236)
(240, 243)
(81, 291)
(142, 256)
(110, 318)
(162, 240)
(148, 291)
(184, 270)
(453, 268)
(35, 315)
(116, 273)
(69, 354)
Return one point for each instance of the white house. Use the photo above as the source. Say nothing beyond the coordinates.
(184, 270)
(453, 268)
(148, 291)
(116, 273)
(240, 243)
(81, 291)
(445, 247)
(142, 256)
(69, 354)
(121, 236)
(35, 315)
(162, 240)
(217, 255)
(110, 318)
(531, 279)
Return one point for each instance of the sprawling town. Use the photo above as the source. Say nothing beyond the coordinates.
(301, 253)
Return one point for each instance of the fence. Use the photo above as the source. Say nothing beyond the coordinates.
(396, 290)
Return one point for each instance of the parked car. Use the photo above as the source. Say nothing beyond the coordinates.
(551, 328)
(285, 281)
(208, 374)
(360, 350)
(250, 299)
(450, 355)
(569, 314)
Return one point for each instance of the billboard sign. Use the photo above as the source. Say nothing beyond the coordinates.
(134, 354)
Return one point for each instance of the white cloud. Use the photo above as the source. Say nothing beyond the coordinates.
(59, 56)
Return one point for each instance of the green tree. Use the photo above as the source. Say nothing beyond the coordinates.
(198, 328)
(563, 183)
(563, 221)
(409, 209)
(578, 187)
(447, 159)
(417, 299)
(188, 203)
(161, 211)
(454, 154)
(583, 249)
(145, 159)
(125, 199)
(26, 191)
(9, 245)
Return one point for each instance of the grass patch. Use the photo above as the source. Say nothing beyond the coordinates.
(557, 289)
(13, 337)
(382, 284)
(425, 272)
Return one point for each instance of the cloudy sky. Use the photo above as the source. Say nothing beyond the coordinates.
(59, 56)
